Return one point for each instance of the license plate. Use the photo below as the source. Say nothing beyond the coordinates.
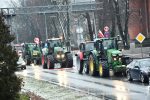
(35, 52)
(57, 65)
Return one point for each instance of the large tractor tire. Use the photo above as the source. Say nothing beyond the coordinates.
(38, 62)
(79, 65)
(28, 62)
(92, 65)
(103, 69)
(44, 64)
(50, 62)
(69, 60)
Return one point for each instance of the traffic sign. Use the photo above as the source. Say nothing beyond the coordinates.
(36, 40)
(140, 37)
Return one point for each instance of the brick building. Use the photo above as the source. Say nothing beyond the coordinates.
(139, 20)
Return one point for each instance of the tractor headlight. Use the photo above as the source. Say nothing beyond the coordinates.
(119, 58)
(115, 59)
(62, 56)
(58, 56)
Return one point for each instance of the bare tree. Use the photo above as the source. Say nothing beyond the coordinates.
(89, 26)
(122, 22)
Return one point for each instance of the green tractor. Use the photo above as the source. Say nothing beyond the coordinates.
(101, 56)
(114, 56)
(32, 53)
(90, 60)
(55, 53)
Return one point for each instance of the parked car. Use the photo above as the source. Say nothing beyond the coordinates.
(139, 70)
(21, 63)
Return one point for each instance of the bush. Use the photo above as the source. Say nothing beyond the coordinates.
(10, 84)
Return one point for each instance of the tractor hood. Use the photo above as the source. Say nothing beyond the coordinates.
(57, 49)
(113, 52)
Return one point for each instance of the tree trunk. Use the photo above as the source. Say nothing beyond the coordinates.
(89, 26)
(113, 18)
(126, 24)
(123, 33)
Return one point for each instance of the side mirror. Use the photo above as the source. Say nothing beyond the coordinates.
(76, 54)
(118, 37)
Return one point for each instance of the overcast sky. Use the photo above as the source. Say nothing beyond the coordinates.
(6, 3)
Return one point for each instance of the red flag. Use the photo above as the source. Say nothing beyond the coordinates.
(100, 34)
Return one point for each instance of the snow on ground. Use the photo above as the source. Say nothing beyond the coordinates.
(51, 91)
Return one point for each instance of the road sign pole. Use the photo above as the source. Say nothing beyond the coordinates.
(141, 50)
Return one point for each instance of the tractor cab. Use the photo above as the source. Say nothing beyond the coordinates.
(54, 42)
(108, 49)
(86, 47)
(54, 45)
(55, 53)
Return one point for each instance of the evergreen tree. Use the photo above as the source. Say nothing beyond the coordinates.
(10, 84)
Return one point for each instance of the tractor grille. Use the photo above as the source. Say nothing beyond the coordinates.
(60, 56)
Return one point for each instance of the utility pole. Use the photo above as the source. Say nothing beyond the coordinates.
(45, 26)
(68, 27)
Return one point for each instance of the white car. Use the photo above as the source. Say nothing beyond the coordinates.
(21, 63)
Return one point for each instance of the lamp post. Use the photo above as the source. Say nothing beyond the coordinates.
(45, 26)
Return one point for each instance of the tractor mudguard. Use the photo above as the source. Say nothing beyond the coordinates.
(94, 53)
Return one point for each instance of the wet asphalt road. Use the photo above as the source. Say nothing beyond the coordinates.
(113, 88)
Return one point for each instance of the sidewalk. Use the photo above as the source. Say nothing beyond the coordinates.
(137, 52)
(49, 91)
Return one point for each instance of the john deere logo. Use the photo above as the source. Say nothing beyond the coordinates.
(140, 37)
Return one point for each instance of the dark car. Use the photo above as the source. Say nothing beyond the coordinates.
(139, 70)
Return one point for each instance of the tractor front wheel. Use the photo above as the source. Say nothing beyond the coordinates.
(69, 60)
(50, 62)
(28, 62)
(44, 65)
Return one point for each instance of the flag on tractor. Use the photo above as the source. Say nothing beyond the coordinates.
(100, 34)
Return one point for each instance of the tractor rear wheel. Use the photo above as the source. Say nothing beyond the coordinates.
(44, 65)
(92, 67)
(69, 60)
(50, 62)
(38, 62)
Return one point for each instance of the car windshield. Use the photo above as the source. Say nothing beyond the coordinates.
(89, 46)
(145, 63)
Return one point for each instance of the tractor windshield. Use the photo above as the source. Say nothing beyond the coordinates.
(29, 46)
(55, 43)
(109, 44)
(89, 46)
